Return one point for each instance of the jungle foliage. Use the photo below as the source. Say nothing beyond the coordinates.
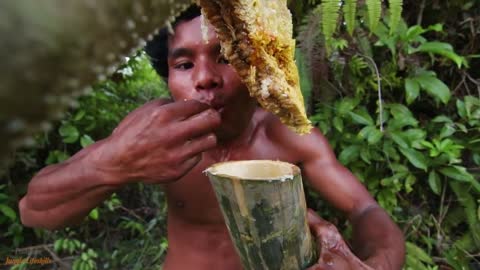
(394, 85)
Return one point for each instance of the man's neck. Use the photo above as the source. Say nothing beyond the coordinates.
(228, 144)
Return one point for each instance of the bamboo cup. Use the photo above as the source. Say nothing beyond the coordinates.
(263, 204)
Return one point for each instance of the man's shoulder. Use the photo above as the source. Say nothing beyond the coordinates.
(313, 143)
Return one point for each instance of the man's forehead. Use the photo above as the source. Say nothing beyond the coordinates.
(193, 32)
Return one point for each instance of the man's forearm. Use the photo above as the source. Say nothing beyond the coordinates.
(377, 240)
(63, 194)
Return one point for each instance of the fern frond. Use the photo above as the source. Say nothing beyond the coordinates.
(470, 208)
(395, 9)
(350, 13)
(310, 37)
(374, 8)
(330, 14)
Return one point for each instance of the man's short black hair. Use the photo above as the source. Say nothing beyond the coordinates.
(157, 48)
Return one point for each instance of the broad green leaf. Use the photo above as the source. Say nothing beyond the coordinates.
(349, 154)
(86, 141)
(434, 87)
(79, 115)
(444, 49)
(442, 119)
(362, 117)
(346, 105)
(415, 157)
(375, 136)
(470, 102)
(435, 182)
(418, 253)
(438, 27)
(69, 133)
(57, 246)
(400, 123)
(402, 114)
(365, 132)
(476, 158)
(458, 173)
(390, 151)
(94, 214)
(338, 123)
(414, 32)
(462, 111)
(447, 131)
(398, 138)
(412, 90)
(8, 212)
(414, 136)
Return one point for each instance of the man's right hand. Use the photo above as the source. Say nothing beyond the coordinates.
(158, 142)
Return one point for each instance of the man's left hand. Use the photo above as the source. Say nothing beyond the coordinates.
(334, 253)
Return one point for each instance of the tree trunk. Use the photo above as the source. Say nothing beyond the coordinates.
(264, 209)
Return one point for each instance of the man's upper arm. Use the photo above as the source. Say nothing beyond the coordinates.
(326, 175)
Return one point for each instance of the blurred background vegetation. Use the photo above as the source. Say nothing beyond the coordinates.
(394, 86)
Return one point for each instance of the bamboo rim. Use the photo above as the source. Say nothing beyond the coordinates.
(254, 170)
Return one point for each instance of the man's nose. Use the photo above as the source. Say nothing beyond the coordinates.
(207, 77)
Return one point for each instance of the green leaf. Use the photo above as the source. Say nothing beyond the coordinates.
(8, 212)
(350, 13)
(396, 7)
(418, 253)
(458, 173)
(79, 115)
(415, 157)
(375, 136)
(349, 154)
(444, 49)
(362, 117)
(462, 111)
(442, 119)
(94, 214)
(338, 123)
(476, 158)
(57, 246)
(414, 136)
(56, 156)
(374, 8)
(346, 105)
(435, 182)
(412, 90)
(69, 133)
(86, 141)
(398, 138)
(413, 32)
(434, 87)
(401, 112)
(409, 181)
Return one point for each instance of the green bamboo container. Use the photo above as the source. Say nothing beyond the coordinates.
(263, 204)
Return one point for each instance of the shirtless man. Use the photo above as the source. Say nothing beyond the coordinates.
(212, 119)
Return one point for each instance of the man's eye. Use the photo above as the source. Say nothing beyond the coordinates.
(222, 60)
(184, 65)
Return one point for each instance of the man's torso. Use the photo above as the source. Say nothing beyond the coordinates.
(198, 237)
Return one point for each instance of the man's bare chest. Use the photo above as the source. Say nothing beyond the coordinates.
(192, 197)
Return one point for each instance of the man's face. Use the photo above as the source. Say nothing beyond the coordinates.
(197, 70)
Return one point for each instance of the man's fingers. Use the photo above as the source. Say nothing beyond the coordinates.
(197, 125)
(198, 145)
(183, 109)
(188, 164)
(315, 222)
